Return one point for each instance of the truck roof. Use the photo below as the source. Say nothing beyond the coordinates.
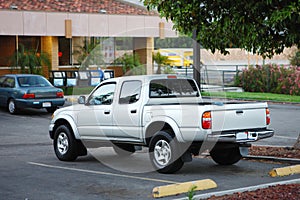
(149, 77)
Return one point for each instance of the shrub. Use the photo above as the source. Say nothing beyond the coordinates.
(270, 78)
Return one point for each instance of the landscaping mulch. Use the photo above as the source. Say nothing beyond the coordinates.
(282, 192)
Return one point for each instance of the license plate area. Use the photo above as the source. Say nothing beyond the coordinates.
(46, 104)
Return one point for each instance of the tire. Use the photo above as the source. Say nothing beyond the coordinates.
(164, 155)
(124, 149)
(226, 156)
(66, 147)
(51, 109)
(12, 107)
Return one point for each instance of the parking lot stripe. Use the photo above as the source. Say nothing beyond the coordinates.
(180, 188)
(101, 173)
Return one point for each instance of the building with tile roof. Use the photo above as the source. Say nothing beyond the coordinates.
(59, 27)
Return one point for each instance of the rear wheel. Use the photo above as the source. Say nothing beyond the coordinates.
(226, 156)
(66, 147)
(12, 108)
(163, 153)
(51, 109)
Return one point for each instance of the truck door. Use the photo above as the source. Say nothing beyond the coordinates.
(95, 118)
(128, 109)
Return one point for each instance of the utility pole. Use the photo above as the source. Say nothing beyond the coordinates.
(196, 59)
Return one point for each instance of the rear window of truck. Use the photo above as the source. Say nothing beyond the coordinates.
(173, 88)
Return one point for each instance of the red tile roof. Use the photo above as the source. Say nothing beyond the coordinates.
(76, 6)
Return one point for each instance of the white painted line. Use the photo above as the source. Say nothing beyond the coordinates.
(285, 137)
(101, 173)
(244, 189)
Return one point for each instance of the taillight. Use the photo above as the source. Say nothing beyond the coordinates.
(59, 94)
(206, 120)
(268, 118)
(172, 76)
(29, 96)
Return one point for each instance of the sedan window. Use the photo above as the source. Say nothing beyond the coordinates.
(9, 83)
(33, 81)
(2, 79)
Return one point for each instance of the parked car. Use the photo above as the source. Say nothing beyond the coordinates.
(18, 91)
(165, 113)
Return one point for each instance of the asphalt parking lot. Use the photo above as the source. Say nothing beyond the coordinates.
(30, 170)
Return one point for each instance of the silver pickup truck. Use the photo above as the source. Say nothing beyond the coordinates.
(162, 112)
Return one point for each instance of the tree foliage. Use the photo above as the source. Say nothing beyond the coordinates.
(160, 60)
(131, 64)
(90, 53)
(295, 59)
(264, 27)
(30, 60)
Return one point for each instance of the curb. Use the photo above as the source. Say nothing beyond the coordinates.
(275, 159)
(244, 189)
(285, 171)
(179, 188)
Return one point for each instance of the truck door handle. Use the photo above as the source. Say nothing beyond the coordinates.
(106, 112)
(133, 111)
(239, 112)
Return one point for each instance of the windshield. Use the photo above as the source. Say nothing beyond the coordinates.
(33, 81)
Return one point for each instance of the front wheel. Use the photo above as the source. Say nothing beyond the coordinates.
(226, 156)
(164, 155)
(12, 108)
(66, 147)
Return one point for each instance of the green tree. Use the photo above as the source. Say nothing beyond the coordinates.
(131, 64)
(30, 60)
(295, 59)
(263, 27)
(90, 53)
(160, 60)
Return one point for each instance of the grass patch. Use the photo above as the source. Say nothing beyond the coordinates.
(254, 96)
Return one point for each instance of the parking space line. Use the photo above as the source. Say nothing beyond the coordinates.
(101, 173)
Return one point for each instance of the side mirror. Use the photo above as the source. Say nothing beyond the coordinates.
(81, 100)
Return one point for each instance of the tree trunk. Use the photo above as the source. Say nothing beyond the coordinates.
(297, 144)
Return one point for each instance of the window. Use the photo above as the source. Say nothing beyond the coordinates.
(2, 79)
(103, 95)
(36, 81)
(173, 88)
(8, 82)
(130, 92)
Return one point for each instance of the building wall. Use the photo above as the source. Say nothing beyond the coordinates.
(83, 24)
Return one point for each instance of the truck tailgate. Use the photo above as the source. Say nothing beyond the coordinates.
(239, 116)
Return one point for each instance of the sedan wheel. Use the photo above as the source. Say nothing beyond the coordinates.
(12, 109)
(51, 109)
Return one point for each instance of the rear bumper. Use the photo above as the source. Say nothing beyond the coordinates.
(39, 103)
(241, 136)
